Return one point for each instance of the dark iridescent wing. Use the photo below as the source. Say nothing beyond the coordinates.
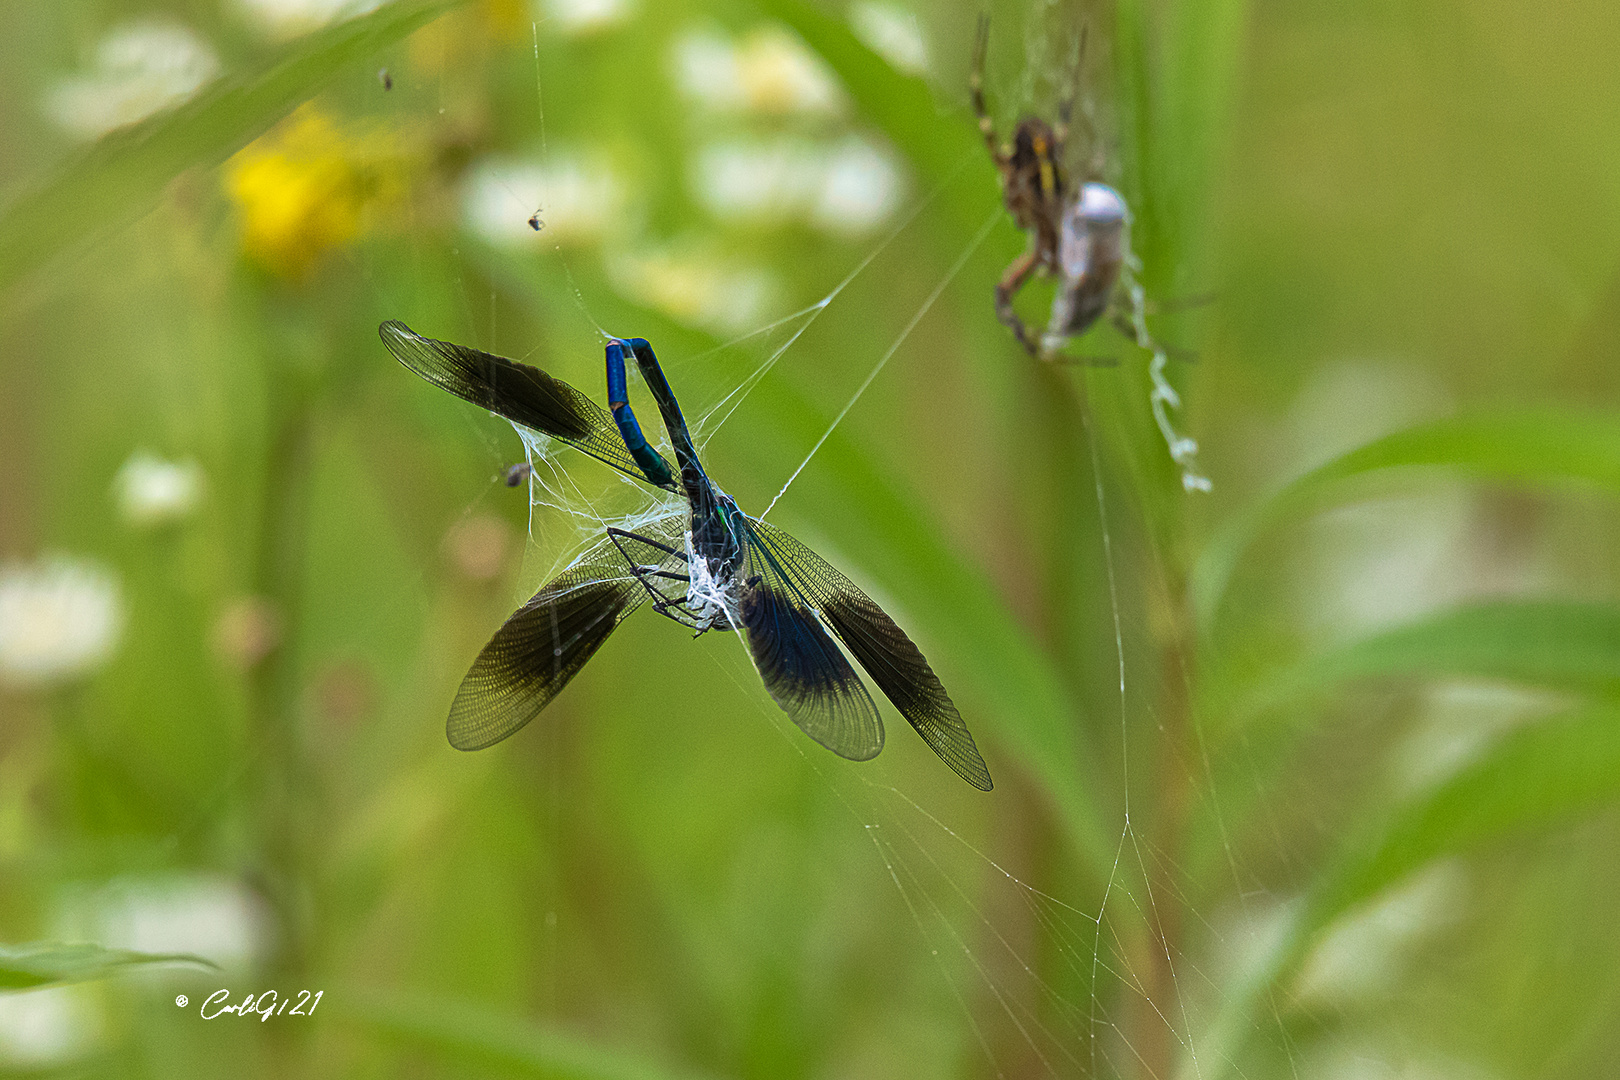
(804, 582)
(802, 667)
(519, 392)
(546, 641)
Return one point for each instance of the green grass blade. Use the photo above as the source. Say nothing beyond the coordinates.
(44, 963)
(1545, 445)
(1556, 644)
(121, 176)
(465, 1029)
(1540, 776)
(1202, 58)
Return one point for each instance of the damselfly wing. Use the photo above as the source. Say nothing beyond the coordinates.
(713, 568)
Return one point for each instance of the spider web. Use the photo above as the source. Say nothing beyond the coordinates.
(1113, 967)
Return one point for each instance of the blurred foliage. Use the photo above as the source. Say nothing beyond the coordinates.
(1315, 775)
(43, 965)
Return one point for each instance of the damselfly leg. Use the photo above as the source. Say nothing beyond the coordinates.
(669, 590)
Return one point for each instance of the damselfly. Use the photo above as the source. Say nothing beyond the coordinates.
(711, 568)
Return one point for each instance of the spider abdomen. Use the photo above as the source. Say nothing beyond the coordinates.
(1091, 253)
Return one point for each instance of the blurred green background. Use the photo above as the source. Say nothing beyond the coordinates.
(1313, 775)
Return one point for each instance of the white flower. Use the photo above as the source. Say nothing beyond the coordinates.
(59, 618)
(771, 71)
(705, 67)
(757, 180)
(861, 187)
(289, 18)
(140, 68)
(578, 198)
(893, 33)
(846, 188)
(697, 288)
(45, 1027)
(577, 17)
(151, 490)
(209, 915)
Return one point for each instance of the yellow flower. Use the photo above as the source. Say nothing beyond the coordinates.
(301, 190)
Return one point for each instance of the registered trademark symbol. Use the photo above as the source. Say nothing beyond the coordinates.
(181, 1001)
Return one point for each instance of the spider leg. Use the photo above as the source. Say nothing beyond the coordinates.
(987, 126)
(1123, 323)
(1173, 304)
(1066, 116)
(1006, 288)
(1081, 361)
(1060, 132)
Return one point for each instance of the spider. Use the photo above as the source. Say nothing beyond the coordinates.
(1079, 236)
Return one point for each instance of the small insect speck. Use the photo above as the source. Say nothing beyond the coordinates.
(386, 79)
(518, 473)
(535, 223)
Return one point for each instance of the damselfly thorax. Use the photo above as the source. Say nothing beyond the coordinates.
(708, 590)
